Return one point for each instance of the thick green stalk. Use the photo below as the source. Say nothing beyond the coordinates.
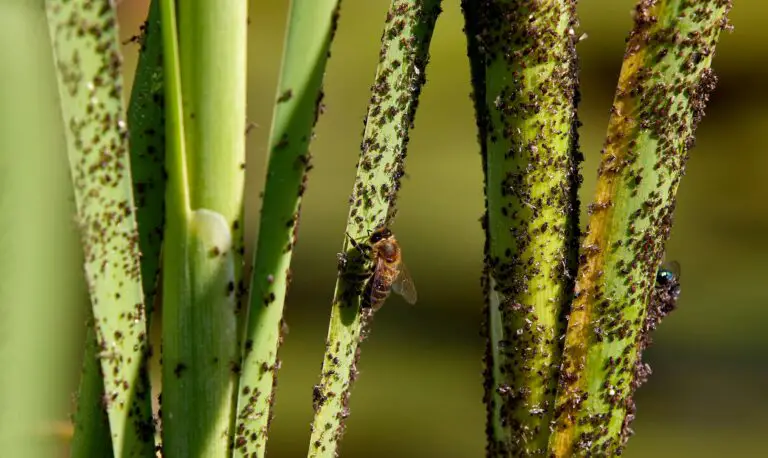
(663, 88)
(212, 44)
(204, 63)
(526, 72)
(86, 48)
(311, 24)
(399, 78)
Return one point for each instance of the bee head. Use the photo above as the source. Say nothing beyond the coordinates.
(380, 234)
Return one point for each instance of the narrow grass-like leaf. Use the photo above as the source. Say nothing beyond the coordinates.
(311, 24)
(399, 78)
(91, 436)
(86, 49)
(524, 65)
(204, 67)
(663, 88)
(146, 121)
(176, 282)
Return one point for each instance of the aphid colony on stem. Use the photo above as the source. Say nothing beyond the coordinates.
(663, 300)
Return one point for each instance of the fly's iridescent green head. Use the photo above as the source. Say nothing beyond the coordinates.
(668, 272)
(668, 278)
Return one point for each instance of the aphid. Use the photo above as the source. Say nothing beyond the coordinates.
(389, 273)
(341, 261)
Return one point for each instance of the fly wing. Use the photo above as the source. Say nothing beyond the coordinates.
(403, 285)
(672, 266)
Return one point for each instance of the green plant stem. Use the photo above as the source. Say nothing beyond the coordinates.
(204, 62)
(86, 49)
(399, 78)
(525, 72)
(311, 24)
(212, 45)
(663, 88)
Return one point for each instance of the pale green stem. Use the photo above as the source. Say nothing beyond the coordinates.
(145, 119)
(87, 55)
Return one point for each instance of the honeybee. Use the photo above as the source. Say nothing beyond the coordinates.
(389, 273)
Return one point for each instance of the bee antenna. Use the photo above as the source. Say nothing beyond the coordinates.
(355, 244)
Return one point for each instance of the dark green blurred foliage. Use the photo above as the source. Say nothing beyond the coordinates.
(419, 391)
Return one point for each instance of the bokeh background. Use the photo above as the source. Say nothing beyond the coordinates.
(419, 391)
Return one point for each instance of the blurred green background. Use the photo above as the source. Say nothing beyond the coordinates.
(419, 391)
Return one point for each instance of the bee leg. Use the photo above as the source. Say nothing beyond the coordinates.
(359, 248)
(365, 300)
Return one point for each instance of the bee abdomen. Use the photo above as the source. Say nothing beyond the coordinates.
(378, 296)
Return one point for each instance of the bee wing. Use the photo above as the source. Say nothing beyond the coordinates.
(378, 282)
(379, 278)
(403, 285)
(671, 266)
